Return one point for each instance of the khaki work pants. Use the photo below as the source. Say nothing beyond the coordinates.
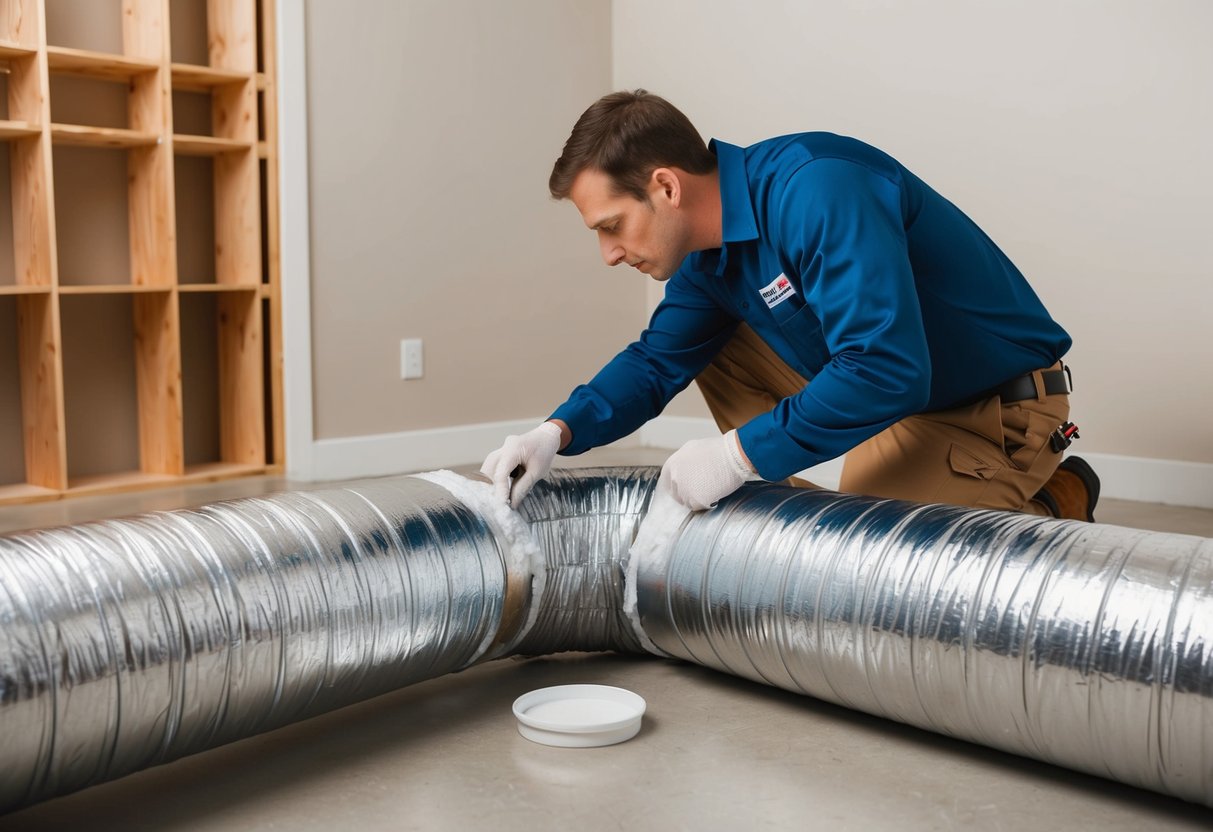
(986, 454)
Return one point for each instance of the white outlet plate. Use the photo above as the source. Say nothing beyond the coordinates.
(412, 358)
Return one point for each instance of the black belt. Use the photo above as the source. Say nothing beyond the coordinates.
(1056, 382)
(1023, 387)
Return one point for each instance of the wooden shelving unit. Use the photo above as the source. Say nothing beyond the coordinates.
(194, 383)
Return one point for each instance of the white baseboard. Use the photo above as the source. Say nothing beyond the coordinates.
(1169, 481)
(415, 450)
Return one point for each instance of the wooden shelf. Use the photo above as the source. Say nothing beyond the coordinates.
(112, 289)
(207, 145)
(204, 288)
(212, 471)
(17, 129)
(193, 78)
(123, 481)
(81, 135)
(23, 493)
(8, 49)
(25, 289)
(90, 64)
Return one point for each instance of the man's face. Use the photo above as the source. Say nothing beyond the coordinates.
(651, 237)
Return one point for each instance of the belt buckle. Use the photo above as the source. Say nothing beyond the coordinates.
(1065, 368)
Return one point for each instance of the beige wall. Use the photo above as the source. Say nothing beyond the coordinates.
(432, 129)
(1077, 134)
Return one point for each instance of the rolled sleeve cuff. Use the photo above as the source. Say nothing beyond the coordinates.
(581, 424)
(773, 453)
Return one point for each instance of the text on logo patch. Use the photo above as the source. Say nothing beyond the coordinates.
(777, 291)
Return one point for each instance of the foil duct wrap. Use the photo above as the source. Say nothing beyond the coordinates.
(584, 522)
(1084, 645)
(128, 643)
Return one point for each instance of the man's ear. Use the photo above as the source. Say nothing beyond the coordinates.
(664, 184)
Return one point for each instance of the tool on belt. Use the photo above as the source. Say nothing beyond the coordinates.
(1061, 438)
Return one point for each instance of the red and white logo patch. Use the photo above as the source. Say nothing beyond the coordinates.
(777, 291)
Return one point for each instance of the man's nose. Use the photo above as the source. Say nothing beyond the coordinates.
(612, 254)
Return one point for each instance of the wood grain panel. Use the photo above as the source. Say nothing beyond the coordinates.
(231, 34)
(158, 382)
(19, 22)
(41, 373)
(241, 382)
(152, 212)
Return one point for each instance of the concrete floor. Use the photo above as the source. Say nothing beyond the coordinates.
(714, 753)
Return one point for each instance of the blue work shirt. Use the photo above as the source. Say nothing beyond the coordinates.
(861, 277)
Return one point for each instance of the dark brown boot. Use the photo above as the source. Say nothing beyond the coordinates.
(1072, 491)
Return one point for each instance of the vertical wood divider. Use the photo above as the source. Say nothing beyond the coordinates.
(39, 337)
(241, 385)
(232, 42)
(269, 53)
(153, 242)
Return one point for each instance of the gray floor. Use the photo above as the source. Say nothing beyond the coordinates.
(715, 752)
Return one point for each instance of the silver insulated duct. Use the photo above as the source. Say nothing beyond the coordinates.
(128, 643)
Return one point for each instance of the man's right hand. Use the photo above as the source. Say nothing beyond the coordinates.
(533, 452)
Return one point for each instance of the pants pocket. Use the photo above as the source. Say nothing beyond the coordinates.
(1026, 431)
(971, 474)
(969, 464)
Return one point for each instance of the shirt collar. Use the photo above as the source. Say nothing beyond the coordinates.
(736, 210)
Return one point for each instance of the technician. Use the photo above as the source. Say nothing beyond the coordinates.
(827, 301)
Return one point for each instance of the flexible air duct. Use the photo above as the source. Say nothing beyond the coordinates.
(128, 643)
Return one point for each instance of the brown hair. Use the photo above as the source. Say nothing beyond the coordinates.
(628, 135)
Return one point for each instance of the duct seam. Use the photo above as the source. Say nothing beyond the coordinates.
(654, 541)
(526, 576)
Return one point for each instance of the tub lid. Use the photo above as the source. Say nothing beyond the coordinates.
(579, 716)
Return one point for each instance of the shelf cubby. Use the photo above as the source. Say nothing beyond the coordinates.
(92, 232)
(92, 25)
(120, 367)
(138, 334)
(12, 446)
(223, 364)
(194, 184)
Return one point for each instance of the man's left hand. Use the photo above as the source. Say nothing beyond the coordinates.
(704, 471)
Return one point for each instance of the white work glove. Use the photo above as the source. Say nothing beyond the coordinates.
(704, 471)
(534, 452)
